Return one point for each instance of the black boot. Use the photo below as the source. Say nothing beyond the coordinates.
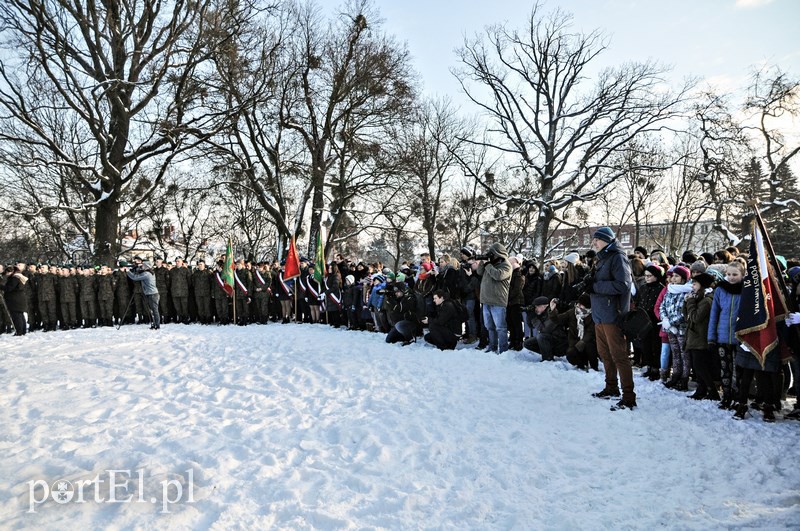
(672, 383)
(769, 413)
(683, 385)
(741, 412)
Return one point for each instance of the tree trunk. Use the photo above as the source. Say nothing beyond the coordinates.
(541, 228)
(106, 238)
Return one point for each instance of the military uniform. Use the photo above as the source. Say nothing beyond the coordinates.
(46, 298)
(221, 298)
(67, 286)
(87, 289)
(30, 290)
(162, 284)
(180, 278)
(201, 287)
(243, 286)
(261, 289)
(105, 298)
(122, 297)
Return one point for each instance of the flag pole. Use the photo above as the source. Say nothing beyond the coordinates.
(295, 301)
(771, 251)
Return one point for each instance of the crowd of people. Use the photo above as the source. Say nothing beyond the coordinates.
(672, 317)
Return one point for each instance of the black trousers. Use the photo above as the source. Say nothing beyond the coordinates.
(441, 337)
(20, 325)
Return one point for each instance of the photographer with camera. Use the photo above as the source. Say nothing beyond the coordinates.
(609, 286)
(144, 273)
(495, 272)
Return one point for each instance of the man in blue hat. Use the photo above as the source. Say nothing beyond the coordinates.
(610, 289)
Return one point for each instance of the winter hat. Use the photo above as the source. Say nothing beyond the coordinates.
(698, 266)
(794, 274)
(718, 275)
(551, 268)
(781, 260)
(704, 279)
(585, 300)
(349, 280)
(386, 271)
(682, 271)
(400, 277)
(572, 258)
(380, 278)
(605, 234)
(467, 251)
(689, 257)
(640, 249)
(656, 271)
(145, 266)
(390, 276)
(541, 300)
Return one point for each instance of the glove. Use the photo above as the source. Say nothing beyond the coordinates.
(793, 318)
(708, 291)
(588, 283)
(665, 324)
(674, 330)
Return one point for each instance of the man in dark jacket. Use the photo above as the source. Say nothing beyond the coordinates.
(445, 328)
(610, 290)
(16, 299)
(548, 335)
(401, 302)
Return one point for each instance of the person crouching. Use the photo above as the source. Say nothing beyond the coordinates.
(445, 328)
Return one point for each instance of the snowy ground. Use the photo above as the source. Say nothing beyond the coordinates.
(300, 427)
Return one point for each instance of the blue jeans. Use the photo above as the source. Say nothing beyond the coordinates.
(494, 319)
(472, 324)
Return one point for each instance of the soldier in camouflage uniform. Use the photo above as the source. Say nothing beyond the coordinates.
(243, 286)
(122, 295)
(30, 289)
(46, 297)
(221, 297)
(261, 284)
(105, 296)
(179, 279)
(67, 286)
(162, 284)
(201, 287)
(87, 297)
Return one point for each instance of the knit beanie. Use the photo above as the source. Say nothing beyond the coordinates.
(572, 258)
(704, 279)
(605, 234)
(656, 271)
(682, 271)
(698, 266)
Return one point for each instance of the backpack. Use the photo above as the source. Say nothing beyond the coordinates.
(461, 310)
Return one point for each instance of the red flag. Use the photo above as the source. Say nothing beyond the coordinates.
(292, 267)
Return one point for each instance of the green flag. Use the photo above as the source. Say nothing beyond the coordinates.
(227, 270)
(319, 261)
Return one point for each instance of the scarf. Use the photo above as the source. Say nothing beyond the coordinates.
(581, 315)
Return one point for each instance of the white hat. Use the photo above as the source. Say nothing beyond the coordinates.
(572, 258)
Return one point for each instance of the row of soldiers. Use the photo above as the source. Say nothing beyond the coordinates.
(70, 297)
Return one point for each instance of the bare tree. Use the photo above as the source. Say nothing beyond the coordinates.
(559, 136)
(122, 71)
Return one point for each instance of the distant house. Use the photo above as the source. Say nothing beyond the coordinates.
(699, 237)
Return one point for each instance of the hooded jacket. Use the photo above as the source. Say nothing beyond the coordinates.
(495, 277)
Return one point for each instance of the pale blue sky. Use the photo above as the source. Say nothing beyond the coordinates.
(713, 39)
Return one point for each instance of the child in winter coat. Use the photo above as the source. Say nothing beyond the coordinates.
(722, 327)
(646, 299)
(674, 323)
(698, 310)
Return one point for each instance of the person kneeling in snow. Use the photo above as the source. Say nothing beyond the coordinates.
(445, 328)
(548, 336)
(402, 305)
(581, 346)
